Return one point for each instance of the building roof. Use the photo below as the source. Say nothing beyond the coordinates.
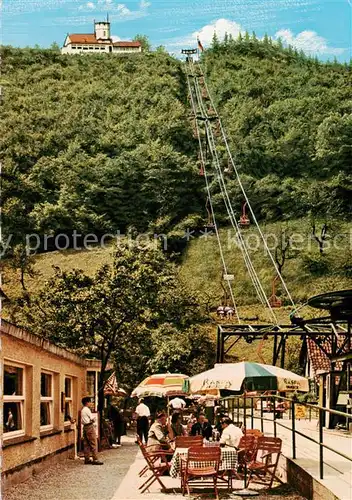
(127, 44)
(90, 39)
(23, 335)
(83, 38)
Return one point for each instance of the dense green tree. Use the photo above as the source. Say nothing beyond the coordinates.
(97, 153)
(144, 40)
(288, 125)
(115, 314)
(99, 144)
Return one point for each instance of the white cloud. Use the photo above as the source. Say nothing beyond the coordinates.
(308, 41)
(220, 27)
(87, 6)
(205, 34)
(115, 38)
(123, 10)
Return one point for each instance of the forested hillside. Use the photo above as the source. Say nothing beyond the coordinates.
(289, 123)
(94, 143)
(104, 144)
(100, 144)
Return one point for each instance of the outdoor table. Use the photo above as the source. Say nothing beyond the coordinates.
(211, 443)
(229, 460)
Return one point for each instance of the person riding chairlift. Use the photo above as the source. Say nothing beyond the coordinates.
(221, 311)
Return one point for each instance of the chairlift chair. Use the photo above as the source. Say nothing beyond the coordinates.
(228, 169)
(217, 129)
(244, 221)
(211, 114)
(273, 300)
(205, 95)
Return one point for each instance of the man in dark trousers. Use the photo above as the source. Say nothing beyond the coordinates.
(116, 418)
(143, 414)
(202, 427)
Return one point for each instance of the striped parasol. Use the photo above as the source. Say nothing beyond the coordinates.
(237, 377)
(161, 385)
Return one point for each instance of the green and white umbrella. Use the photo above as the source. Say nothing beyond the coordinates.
(245, 376)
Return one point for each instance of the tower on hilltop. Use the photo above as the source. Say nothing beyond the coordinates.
(102, 29)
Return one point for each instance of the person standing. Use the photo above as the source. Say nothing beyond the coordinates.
(177, 404)
(89, 434)
(210, 409)
(143, 414)
(116, 417)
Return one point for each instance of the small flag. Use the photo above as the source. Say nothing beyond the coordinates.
(200, 46)
(111, 387)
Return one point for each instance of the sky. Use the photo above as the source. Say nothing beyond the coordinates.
(319, 27)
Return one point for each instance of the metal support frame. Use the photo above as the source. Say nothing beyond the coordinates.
(229, 335)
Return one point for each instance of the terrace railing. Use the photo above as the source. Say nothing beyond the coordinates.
(239, 407)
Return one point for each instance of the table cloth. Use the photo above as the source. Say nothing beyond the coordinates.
(229, 461)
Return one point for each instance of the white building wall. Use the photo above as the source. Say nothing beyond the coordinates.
(98, 49)
(102, 31)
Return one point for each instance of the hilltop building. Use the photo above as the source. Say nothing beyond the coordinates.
(99, 42)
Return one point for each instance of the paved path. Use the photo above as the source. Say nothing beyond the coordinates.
(72, 480)
(117, 479)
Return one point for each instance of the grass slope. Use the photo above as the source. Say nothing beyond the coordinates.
(306, 273)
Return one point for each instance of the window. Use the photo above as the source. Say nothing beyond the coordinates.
(85, 48)
(97, 48)
(74, 48)
(14, 398)
(46, 400)
(68, 400)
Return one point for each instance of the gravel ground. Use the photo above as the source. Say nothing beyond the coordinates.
(72, 480)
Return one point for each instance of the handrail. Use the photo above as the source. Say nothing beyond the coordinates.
(275, 422)
(309, 405)
(305, 436)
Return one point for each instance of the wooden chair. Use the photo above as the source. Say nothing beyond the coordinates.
(246, 449)
(157, 464)
(264, 467)
(188, 441)
(146, 448)
(201, 463)
(254, 432)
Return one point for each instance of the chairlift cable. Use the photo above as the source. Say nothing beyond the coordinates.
(212, 208)
(253, 275)
(250, 267)
(245, 194)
